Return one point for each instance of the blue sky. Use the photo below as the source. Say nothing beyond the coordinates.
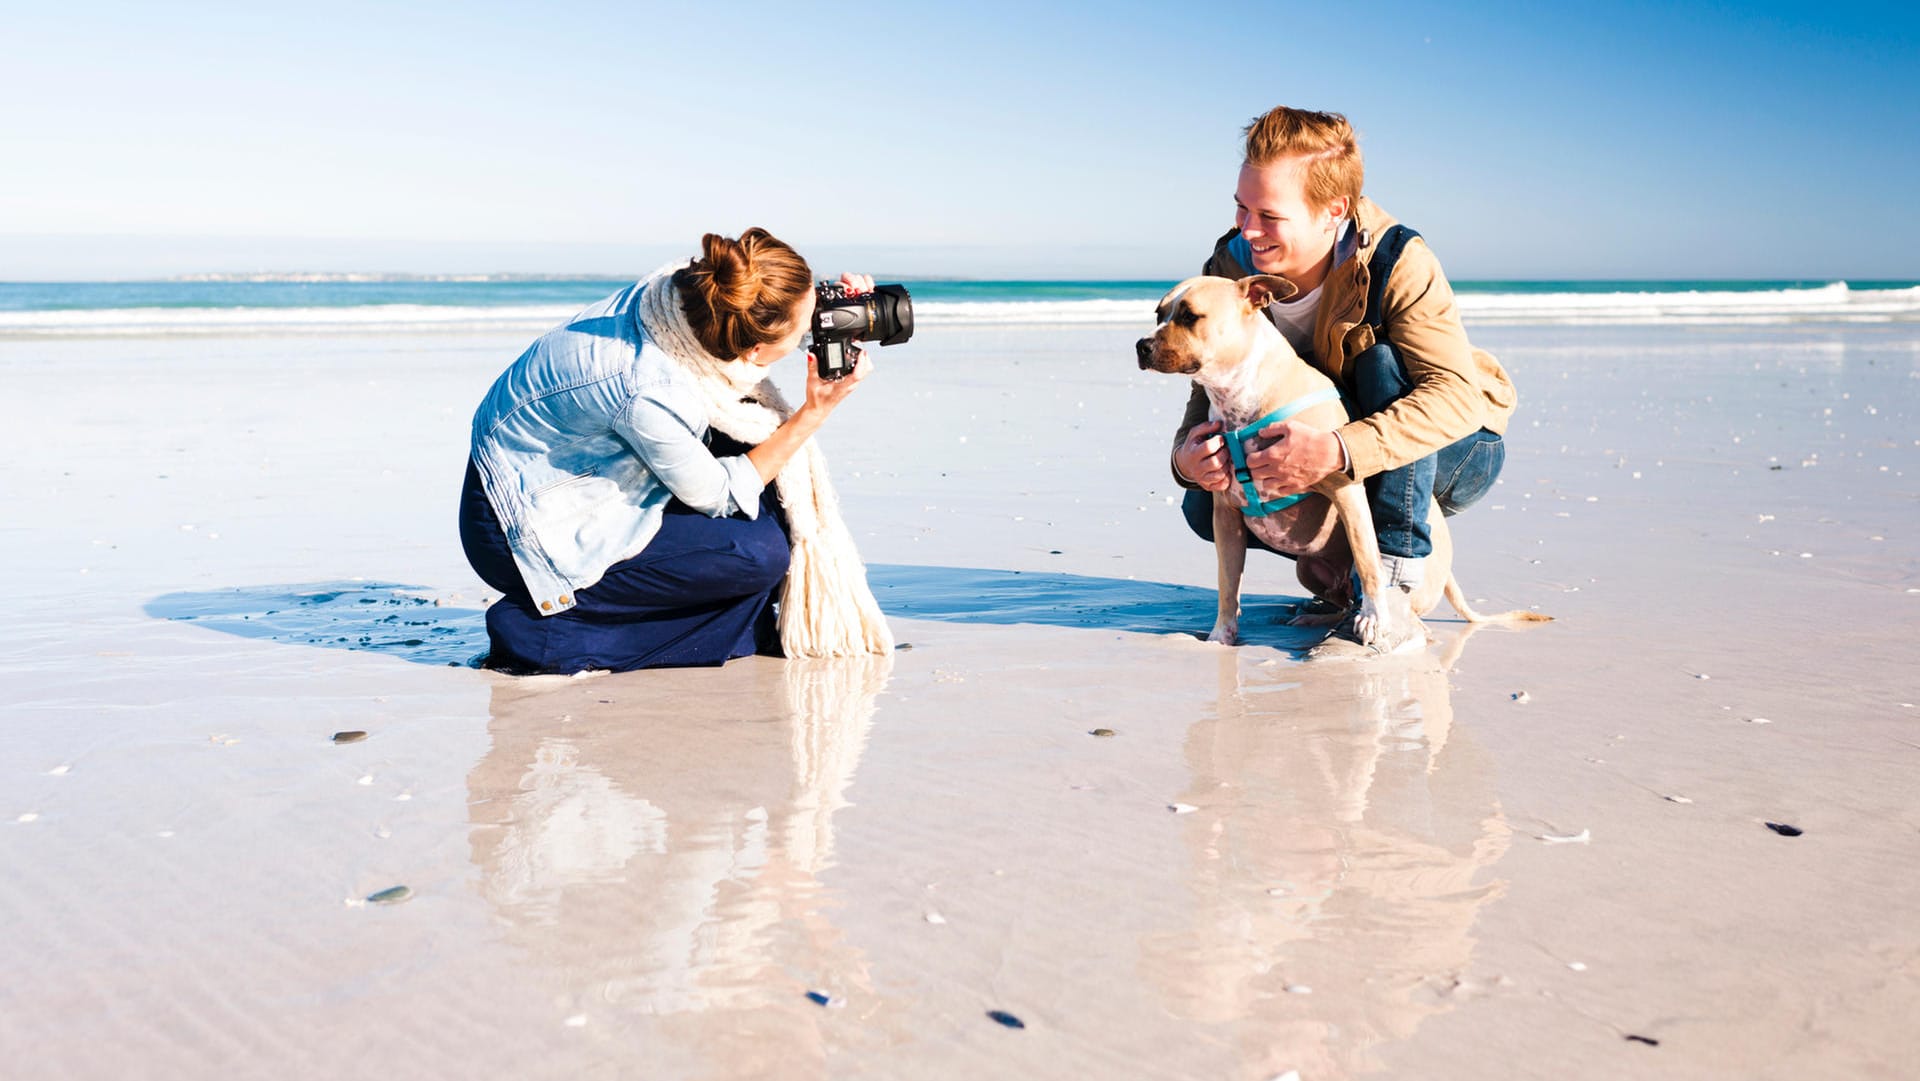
(1612, 140)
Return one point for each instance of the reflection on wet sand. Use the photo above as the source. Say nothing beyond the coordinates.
(1334, 894)
(654, 843)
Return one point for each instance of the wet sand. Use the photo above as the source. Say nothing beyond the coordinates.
(224, 550)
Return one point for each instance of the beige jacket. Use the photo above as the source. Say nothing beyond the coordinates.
(1457, 389)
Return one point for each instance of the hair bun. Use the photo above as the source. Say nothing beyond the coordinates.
(743, 291)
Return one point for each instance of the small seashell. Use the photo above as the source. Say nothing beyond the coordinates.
(349, 737)
(1278, 891)
(59, 771)
(1521, 697)
(1785, 830)
(935, 917)
(1101, 732)
(1299, 989)
(1577, 966)
(1182, 808)
(1677, 799)
(28, 817)
(1701, 675)
(1007, 1019)
(1290, 1075)
(392, 895)
(1583, 837)
(578, 1020)
(1758, 720)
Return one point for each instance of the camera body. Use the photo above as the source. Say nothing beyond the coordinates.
(841, 318)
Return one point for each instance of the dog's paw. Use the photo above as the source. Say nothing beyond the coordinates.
(1373, 623)
(1224, 634)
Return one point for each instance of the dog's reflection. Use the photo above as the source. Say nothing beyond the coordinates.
(1334, 894)
(654, 842)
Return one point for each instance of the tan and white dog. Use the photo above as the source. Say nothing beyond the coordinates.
(1213, 330)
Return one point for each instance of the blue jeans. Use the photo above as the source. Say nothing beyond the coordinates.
(699, 594)
(1457, 475)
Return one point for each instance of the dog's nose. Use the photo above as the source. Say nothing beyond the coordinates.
(1144, 350)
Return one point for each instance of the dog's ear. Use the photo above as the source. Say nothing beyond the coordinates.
(1263, 289)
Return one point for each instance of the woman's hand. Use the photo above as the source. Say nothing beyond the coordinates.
(824, 395)
(1202, 457)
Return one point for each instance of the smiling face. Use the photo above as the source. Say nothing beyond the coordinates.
(1289, 237)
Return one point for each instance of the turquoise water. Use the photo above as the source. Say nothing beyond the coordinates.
(104, 296)
(529, 305)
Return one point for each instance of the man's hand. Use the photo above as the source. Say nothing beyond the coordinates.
(1203, 459)
(1299, 457)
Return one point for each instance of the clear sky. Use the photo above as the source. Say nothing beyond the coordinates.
(1655, 140)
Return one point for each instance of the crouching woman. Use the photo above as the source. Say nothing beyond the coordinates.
(642, 496)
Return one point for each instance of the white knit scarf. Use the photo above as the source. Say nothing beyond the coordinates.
(827, 609)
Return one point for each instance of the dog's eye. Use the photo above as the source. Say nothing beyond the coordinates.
(1187, 317)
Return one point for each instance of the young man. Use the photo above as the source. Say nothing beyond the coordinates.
(1428, 409)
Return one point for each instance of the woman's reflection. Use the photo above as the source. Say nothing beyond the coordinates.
(656, 841)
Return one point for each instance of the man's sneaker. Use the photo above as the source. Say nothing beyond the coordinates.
(1405, 635)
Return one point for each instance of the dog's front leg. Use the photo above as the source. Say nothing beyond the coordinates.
(1230, 546)
(1376, 618)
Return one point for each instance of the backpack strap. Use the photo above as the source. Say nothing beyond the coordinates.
(1380, 269)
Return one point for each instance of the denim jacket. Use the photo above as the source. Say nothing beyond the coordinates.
(582, 442)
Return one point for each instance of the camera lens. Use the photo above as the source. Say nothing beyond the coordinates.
(892, 314)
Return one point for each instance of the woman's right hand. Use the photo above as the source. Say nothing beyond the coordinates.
(1202, 457)
(823, 395)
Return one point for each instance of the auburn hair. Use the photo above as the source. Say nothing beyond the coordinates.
(742, 293)
(1324, 142)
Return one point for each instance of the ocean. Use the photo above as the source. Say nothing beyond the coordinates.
(372, 303)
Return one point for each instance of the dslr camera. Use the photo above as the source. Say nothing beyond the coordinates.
(841, 318)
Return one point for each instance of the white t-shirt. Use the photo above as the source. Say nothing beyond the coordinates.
(1295, 317)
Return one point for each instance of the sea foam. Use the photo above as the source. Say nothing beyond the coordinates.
(1832, 303)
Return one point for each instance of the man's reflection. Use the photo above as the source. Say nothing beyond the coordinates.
(1334, 893)
(655, 841)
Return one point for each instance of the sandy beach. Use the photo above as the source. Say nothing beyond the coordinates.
(1524, 853)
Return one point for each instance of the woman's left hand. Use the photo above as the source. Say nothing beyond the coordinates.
(858, 284)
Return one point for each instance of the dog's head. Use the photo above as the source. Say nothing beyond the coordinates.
(1208, 321)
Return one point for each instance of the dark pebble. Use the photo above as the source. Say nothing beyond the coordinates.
(1648, 1040)
(1007, 1019)
(391, 896)
(1053, 551)
(819, 998)
(904, 645)
(1101, 732)
(1785, 830)
(349, 737)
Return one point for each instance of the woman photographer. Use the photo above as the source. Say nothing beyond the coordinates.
(642, 496)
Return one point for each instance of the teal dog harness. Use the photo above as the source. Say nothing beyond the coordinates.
(1236, 446)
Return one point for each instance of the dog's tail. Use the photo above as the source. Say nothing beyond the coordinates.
(1519, 615)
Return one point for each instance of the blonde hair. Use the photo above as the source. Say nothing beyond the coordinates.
(742, 293)
(1325, 142)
